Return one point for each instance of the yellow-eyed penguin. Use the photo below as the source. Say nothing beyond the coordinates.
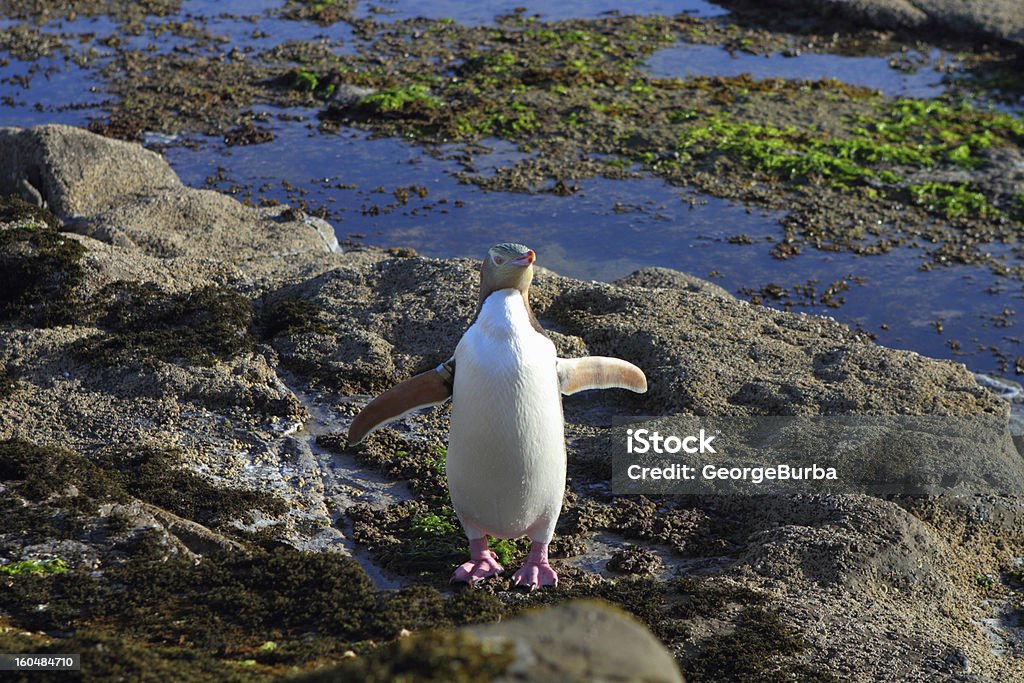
(506, 449)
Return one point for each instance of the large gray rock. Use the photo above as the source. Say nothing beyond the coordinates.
(204, 224)
(125, 195)
(585, 640)
(704, 352)
(992, 19)
(75, 172)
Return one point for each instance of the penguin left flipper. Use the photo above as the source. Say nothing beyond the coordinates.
(599, 372)
(425, 389)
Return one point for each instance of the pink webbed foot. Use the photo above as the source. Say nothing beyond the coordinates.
(536, 571)
(482, 564)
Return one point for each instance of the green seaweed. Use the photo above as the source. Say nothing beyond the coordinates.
(508, 551)
(24, 567)
(304, 81)
(399, 99)
(952, 201)
(432, 545)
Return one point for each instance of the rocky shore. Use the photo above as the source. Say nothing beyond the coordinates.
(176, 374)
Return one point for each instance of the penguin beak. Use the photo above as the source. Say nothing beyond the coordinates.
(525, 260)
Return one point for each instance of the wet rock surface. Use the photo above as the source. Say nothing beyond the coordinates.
(1001, 20)
(171, 430)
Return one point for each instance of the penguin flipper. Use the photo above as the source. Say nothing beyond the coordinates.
(599, 372)
(425, 389)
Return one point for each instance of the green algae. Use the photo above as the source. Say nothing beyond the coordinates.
(433, 525)
(143, 324)
(508, 551)
(304, 81)
(410, 97)
(910, 133)
(411, 538)
(952, 201)
(24, 567)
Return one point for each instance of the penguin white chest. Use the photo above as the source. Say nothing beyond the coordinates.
(506, 453)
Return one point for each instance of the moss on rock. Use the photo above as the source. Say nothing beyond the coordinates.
(43, 473)
(40, 276)
(435, 656)
(157, 476)
(142, 323)
(16, 210)
(8, 384)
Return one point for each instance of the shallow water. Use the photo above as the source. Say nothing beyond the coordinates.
(483, 12)
(612, 227)
(604, 231)
(871, 72)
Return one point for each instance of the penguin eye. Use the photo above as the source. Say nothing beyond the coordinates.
(498, 260)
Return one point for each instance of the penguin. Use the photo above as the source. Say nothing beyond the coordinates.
(506, 461)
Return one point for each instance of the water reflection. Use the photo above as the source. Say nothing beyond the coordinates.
(871, 72)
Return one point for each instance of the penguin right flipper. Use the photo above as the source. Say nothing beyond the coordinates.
(425, 389)
(599, 372)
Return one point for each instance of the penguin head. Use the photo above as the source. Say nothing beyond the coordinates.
(506, 266)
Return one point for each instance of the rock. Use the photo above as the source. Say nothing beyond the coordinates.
(204, 224)
(1001, 20)
(348, 95)
(197, 538)
(656, 277)
(125, 195)
(75, 172)
(584, 640)
(703, 352)
(187, 313)
(635, 560)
